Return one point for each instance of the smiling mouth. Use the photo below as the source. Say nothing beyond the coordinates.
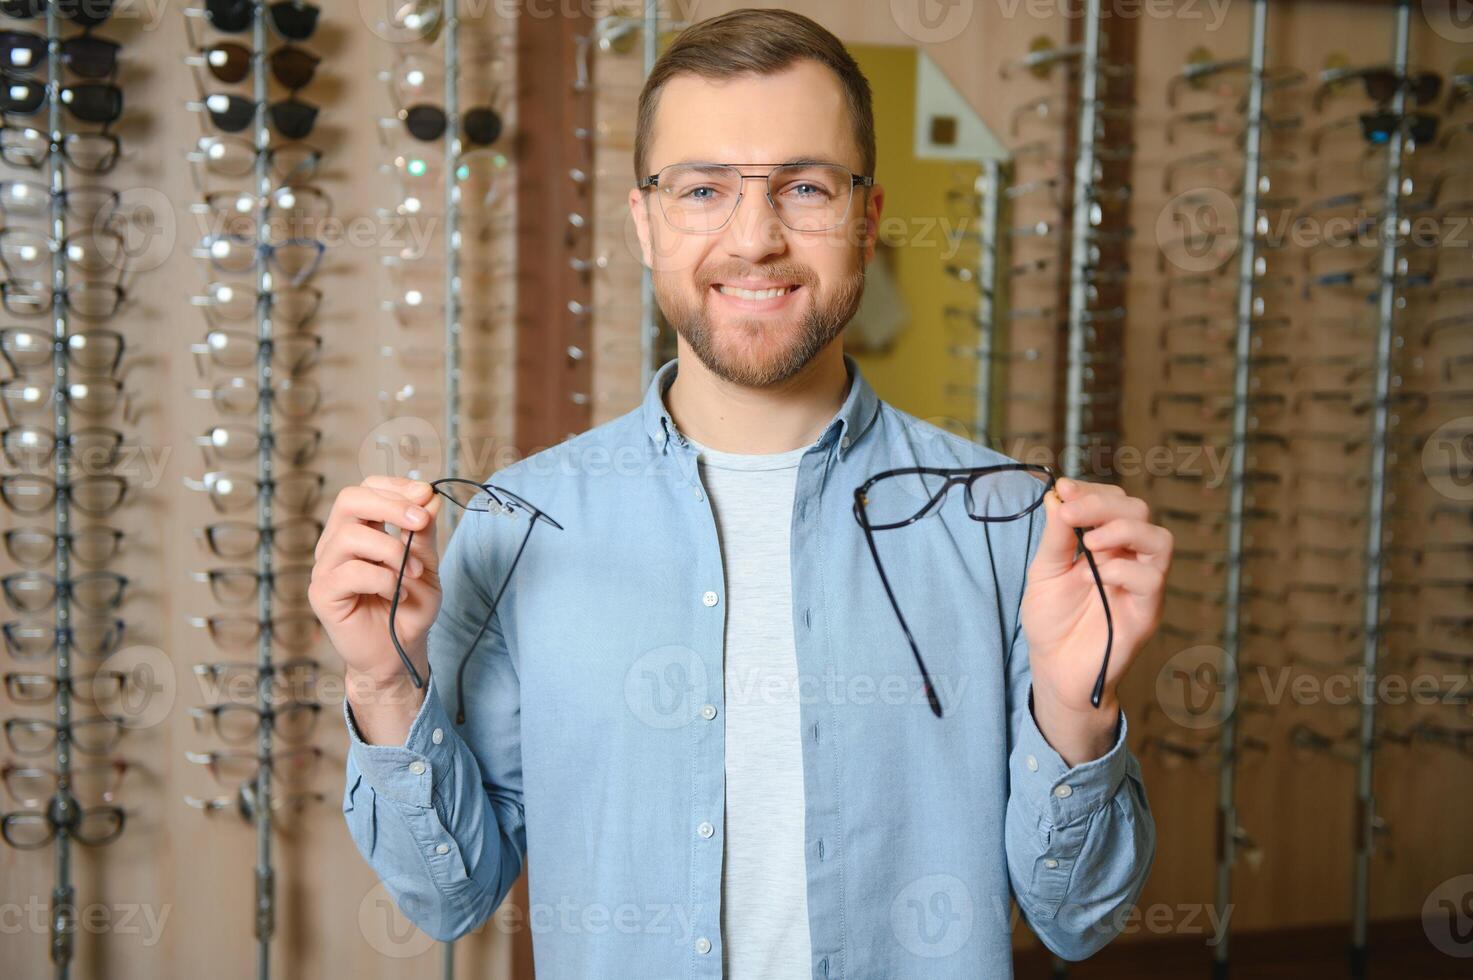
(736, 292)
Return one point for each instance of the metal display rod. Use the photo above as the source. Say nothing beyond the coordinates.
(1227, 817)
(1365, 823)
(991, 185)
(452, 244)
(265, 925)
(63, 894)
(1084, 168)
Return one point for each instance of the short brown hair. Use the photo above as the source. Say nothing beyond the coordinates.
(759, 42)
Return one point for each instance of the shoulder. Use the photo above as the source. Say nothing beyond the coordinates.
(941, 441)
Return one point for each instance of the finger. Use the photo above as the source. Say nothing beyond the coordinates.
(1137, 578)
(1149, 542)
(1070, 488)
(1096, 509)
(418, 491)
(375, 507)
(361, 542)
(1056, 549)
(424, 547)
(352, 579)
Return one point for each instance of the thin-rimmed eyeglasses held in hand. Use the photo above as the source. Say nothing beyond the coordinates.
(993, 495)
(470, 496)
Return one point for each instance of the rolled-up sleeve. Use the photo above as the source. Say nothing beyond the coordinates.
(439, 822)
(1081, 839)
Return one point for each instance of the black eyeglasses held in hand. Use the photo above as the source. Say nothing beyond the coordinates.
(994, 495)
(470, 496)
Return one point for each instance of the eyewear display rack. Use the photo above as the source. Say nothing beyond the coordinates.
(265, 877)
(451, 18)
(1386, 309)
(1229, 834)
(63, 896)
(991, 185)
(1085, 237)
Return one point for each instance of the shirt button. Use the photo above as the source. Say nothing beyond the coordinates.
(1062, 790)
(442, 848)
(1032, 764)
(1050, 863)
(699, 495)
(417, 767)
(703, 945)
(437, 736)
(709, 598)
(708, 711)
(705, 829)
(844, 443)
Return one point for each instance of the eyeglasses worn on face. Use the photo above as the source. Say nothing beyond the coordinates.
(470, 496)
(700, 198)
(993, 494)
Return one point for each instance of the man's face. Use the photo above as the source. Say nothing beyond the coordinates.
(767, 120)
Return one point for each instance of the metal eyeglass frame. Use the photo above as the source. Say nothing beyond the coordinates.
(510, 504)
(855, 180)
(967, 475)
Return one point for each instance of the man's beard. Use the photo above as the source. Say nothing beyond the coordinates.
(772, 365)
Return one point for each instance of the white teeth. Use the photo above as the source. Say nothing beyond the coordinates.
(751, 294)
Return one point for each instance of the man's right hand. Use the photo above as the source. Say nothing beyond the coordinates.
(353, 580)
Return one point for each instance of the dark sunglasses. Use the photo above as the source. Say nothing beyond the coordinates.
(469, 496)
(992, 494)
(1381, 84)
(480, 126)
(291, 20)
(1378, 127)
(94, 102)
(230, 62)
(292, 118)
(90, 56)
(85, 13)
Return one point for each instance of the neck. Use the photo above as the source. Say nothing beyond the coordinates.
(735, 419)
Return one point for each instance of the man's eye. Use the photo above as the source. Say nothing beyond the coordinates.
(696, 193)
(807, 190)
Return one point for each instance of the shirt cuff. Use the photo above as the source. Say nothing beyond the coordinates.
(407, 773)
(1055, 790)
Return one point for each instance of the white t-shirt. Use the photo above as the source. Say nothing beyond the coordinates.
(764, 884)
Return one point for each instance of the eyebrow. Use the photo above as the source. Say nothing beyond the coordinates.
(793, 162)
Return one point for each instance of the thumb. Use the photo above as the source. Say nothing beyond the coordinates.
(1056, 549)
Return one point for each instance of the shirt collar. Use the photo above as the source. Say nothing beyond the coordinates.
(848, 424)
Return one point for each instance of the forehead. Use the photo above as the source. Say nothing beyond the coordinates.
(797, 113)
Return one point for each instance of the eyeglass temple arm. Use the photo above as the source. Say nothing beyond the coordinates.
(869, 537)
(394, 611)
(465, 658)
(1096, 695)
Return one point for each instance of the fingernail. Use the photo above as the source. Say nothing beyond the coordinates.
(415, 567)
(415, 515)
(1066, 484)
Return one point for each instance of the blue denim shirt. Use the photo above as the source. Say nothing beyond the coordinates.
(593, 743)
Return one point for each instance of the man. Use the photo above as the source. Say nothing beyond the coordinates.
(694, 710)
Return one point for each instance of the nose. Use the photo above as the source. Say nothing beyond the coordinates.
(755, 231)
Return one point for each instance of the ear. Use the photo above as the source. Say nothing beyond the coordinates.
(874, 203)
(641, 215)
